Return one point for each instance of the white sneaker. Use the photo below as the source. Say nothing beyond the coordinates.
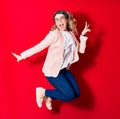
(48, 102)
(39, 96)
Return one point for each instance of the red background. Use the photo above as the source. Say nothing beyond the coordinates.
(26, 22)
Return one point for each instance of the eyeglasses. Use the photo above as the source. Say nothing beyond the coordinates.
(61, 18)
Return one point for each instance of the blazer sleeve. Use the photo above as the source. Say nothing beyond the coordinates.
(39, 47)
(83, 40)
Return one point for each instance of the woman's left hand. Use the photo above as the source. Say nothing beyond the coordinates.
(86, 29)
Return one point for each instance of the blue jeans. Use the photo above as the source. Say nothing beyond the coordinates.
(66, 87)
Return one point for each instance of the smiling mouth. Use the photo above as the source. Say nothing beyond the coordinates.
(61, 25)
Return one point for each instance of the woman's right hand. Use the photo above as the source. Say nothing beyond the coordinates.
(86, 29)
(18, 57)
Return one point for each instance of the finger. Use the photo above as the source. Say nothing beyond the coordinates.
(18, 60)
(12, 53)
(86, 24)
(15, 55)
(88, 30)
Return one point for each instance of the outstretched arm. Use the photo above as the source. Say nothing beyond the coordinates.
(35, 49)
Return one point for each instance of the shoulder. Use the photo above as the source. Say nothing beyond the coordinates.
(56, 31)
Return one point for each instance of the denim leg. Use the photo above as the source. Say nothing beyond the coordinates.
(72, 81)
(63, 89)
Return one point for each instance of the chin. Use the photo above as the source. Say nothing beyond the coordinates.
(63, 29)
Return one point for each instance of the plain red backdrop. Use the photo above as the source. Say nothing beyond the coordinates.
(24, 23)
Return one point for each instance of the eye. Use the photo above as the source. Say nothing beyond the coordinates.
(62, 17)
(56, 19)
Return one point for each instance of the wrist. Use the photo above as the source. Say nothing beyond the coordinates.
(83, 35)
(83, 38)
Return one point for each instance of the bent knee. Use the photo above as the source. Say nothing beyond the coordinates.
(69, 96)
(78, 93)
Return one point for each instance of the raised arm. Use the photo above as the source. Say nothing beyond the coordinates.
(83, 38)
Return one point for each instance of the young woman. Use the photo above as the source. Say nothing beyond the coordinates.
(63, 49)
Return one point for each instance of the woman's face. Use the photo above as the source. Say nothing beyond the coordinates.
(61, 22)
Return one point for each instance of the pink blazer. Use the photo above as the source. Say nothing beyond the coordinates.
(55, 43)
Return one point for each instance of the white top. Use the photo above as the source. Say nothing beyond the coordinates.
(69, 48)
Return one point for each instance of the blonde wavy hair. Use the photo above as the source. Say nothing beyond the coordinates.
(71, 24)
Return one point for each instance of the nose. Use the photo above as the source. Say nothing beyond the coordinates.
(60, 20)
